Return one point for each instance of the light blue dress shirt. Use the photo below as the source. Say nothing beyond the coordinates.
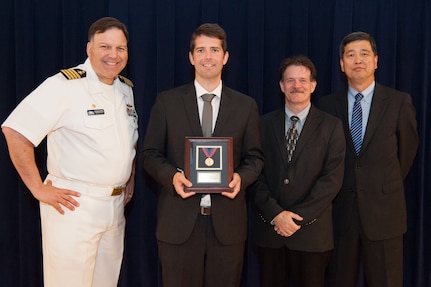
(365, 104)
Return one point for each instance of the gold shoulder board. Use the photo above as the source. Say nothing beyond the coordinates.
(125, 81)
(72, 74)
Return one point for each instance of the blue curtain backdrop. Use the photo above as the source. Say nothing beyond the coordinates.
(40, 37)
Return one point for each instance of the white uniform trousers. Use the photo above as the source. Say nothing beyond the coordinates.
(84, 247)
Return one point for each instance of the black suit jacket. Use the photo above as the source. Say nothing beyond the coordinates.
(307, 185)
(175, 116)
(376, 177)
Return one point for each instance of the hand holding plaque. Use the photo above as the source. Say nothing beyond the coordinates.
(208, 164)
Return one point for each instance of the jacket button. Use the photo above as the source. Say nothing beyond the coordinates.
(286, 181)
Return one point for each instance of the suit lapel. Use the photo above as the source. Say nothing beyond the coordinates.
(308, 130)
(342, 113)
(226, 110)
(378, 107)
(192, 112)
(278, 129)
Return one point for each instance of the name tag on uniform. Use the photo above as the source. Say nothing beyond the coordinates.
(95, 112)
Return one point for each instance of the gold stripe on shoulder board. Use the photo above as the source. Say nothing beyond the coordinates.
(72, 74)
(125, 80)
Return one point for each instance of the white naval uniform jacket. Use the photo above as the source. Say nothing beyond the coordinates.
(91, 137)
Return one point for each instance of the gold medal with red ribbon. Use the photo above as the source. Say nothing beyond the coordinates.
(209, 153)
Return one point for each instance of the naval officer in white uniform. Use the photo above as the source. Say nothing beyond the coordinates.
(89, 118)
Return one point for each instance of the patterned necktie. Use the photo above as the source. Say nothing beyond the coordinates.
(207, 115)
(356, 124)
(291, 137)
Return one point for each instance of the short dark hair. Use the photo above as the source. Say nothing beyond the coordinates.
(358, 36)
(298, 60)
(210, 30)
(106, 23)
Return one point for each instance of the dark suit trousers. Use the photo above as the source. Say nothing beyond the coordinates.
(202, 260)
(382, 259)
(281, 267)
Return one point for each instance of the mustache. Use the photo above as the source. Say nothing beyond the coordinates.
(297, 91)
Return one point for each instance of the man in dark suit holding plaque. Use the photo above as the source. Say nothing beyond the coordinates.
(201, 237)
(304, 151)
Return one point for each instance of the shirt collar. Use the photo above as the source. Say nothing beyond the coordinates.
(201, 91)
(367, 92)
(302, 115)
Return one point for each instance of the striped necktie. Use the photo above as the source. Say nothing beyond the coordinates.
(356, 124)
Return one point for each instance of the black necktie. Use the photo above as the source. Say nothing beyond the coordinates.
(291, 137)
(207, 115)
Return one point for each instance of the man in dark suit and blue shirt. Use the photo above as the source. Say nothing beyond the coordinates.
(381, 142)
(201, 239)
(294, 193)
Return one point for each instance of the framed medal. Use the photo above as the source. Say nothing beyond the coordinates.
(208, 163)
